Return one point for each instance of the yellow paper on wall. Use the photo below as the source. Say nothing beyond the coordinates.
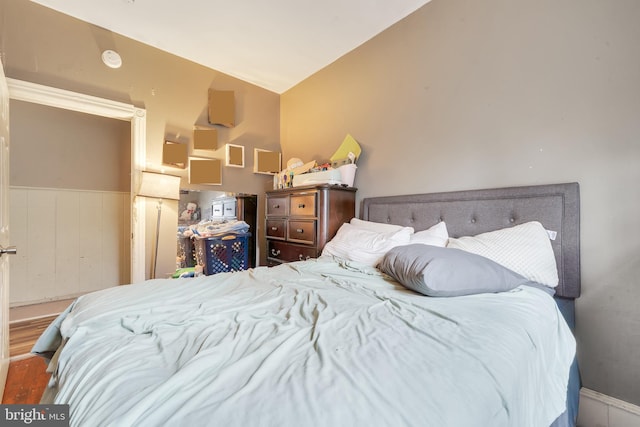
(349, 145)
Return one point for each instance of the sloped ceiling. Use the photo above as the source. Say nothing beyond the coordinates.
(273, 44)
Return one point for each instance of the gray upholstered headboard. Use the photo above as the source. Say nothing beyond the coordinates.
(468, 213)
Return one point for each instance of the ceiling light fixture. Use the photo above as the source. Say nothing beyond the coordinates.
(111, 59)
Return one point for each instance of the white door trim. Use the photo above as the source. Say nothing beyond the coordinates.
(5, 238)
(60, 98)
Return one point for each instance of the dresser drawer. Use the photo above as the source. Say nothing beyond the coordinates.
(287, 252)
(276, 228)
(277, 206)
(303, 205)
(302, 231)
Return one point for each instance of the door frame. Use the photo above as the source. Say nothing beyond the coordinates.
(59, 98)
(5, 237)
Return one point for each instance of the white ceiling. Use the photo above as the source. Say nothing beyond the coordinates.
(274, 44)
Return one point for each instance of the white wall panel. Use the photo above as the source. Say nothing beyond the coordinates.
(41, 242)
(125, 250)
(70, 242)
(111, 259)
(18, 226)
(67, 211)
(90, 241)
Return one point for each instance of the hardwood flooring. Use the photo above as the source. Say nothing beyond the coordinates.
(27, 377)
(26, 381)
(23, 334)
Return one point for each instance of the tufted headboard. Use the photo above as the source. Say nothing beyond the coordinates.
(467, 213)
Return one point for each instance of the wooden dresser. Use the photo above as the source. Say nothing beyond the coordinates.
(301, 220)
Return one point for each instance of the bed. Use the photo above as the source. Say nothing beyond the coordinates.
(342, 340)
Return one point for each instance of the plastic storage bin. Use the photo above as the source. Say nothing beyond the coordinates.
(222, 254)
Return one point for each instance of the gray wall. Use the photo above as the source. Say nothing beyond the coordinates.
(465, 94)
(42, 46)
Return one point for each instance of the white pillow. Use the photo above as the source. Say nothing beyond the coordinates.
(436, 235)
(377, 226)
(525, 249)
(364, 246)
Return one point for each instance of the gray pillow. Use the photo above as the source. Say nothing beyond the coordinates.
(447, 272)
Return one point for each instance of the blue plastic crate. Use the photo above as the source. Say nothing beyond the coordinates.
(223, 254)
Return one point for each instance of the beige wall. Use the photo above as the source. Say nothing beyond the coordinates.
(43, 46)
(465, 94)
(55, 148)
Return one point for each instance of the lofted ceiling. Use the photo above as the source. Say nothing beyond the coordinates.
(273, 44)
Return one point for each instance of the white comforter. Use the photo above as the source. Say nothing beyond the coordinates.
(311, 343)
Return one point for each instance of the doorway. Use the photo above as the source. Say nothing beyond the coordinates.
(69, 203)
(59, 98)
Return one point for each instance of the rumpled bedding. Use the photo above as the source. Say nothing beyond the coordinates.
(312, 343)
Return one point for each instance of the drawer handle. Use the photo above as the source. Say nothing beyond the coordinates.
(303, 258)
(228, 209)
(274, 228)
(276, 206)
(275, 252)
(299, 230)
(301, 206)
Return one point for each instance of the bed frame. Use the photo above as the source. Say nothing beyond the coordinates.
(468, 213)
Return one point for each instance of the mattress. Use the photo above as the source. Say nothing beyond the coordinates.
(317, 342)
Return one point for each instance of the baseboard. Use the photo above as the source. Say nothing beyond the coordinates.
(600, 410)
(39, 310)
(22, 357)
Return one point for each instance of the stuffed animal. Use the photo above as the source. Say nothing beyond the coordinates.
(187, 214)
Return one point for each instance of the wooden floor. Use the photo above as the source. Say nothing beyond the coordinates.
(23, 334)
(27, 377)
(26, 381)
